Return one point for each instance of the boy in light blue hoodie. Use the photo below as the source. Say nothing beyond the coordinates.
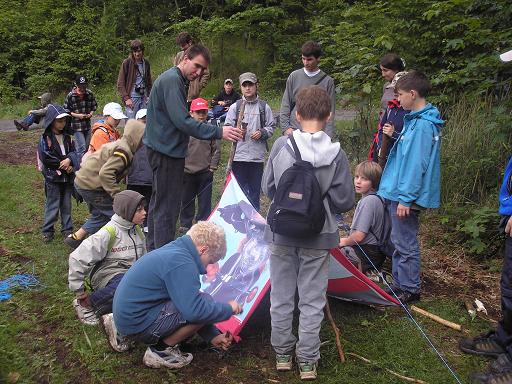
(411, 179)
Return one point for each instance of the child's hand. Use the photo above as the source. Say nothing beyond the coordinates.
(289, 131)
(237, 308)
(256, 135)
(402, 210)
(388, 129)
(65, 164)
(222, 341)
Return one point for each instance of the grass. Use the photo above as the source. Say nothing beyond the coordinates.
(43, 342)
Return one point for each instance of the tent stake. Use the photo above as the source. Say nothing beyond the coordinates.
(336, 330)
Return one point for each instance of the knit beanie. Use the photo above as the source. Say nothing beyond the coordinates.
(126, 203)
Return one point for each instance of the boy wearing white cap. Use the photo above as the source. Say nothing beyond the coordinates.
(106, 131)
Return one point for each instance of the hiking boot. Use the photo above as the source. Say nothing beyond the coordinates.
(84, 314)
(409, 297)
(492, 378)
(482, 345)
(116, 341)
(502, 364)
(307, 370)
(20, 125)
(47, 237)
(283, 362)
(171, 357)
(72, 241)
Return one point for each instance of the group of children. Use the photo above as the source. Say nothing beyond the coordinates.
(109, 257)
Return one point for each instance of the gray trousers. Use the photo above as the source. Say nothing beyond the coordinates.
(307, 271)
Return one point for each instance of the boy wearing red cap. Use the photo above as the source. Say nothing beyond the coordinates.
(202, 160)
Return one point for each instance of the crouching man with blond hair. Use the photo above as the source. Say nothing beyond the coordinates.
(158, 301)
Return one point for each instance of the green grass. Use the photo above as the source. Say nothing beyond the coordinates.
(43, 342)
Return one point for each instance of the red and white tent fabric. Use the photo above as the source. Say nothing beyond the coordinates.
(244, 276)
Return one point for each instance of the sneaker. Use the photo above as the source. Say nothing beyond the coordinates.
(492, 378)
(47, 237)
(84, 314)
(409, 297)
(171, 357)
(67, 233)
(20, 125)
(283, 362)
(502, 364)
(72, 242)
(307, 370)
(486, 345)
(116, 341)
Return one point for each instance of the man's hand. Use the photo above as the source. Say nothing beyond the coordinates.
(402, 210)
(388, 129)
(289, 131)
(222, 341)
(256, 135)
(237, 308)
(231, 133)
(129, 103)
(508, 227)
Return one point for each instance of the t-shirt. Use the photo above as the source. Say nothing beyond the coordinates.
(60, 140)
(369, 214)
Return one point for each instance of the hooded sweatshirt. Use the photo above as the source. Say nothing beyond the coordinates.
(102, 257)
(104, 169)
(248, 149)
(412, 173)
(333, 173)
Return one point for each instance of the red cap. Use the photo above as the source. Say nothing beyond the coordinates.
(198, 105)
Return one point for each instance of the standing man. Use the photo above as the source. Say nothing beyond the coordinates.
(134, 79)
(311, 74)
(168, 128)
(185, 41)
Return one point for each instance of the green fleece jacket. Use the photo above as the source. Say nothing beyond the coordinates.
(169, 125)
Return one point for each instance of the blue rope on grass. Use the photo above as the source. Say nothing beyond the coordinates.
(25, 281)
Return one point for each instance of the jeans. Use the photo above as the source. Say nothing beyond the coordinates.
(100, 206)
(58, 198)
(29, 119)
(406, 261)
(165, 204)
(138, 104)
(101, 299)
(249, 175)
(200, 185)
(307, 271)
(504, 329)
(82, 140)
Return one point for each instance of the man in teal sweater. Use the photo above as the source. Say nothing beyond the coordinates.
(159, 303)
(168, 128)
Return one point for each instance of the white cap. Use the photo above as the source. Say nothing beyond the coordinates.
(507, 56)
(141, 113)
(114, 110)
(61, 115)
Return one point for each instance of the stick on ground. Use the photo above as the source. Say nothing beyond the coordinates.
(436, 318)
(336, 330)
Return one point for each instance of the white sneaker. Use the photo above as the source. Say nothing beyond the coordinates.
(116, 341)
(85, 315)
(170, 357)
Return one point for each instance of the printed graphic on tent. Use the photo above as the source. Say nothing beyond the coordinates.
(243, 275)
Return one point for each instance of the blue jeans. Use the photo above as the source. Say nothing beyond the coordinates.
(29, 119)
(101, 299)
(406, 259)
(58, 198)
(139, 102)
(82, 140)
(100, 206)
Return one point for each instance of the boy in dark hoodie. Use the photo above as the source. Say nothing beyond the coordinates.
(58, 162)
(410, 181)
(35, 115)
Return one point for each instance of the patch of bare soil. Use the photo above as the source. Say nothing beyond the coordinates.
(18, 147)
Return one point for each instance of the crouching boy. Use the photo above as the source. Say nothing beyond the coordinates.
(105, 256)
(302, 262)
(159, 303)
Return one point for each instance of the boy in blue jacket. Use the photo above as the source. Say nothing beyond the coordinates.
(159, 303)
(58, 162)
(411, 179)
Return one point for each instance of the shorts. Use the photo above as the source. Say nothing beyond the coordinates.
(168, 321)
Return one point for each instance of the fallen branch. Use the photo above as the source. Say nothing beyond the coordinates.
(336, 330)
(405, 378)
(436, 318)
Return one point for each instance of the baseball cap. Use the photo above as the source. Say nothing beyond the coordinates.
(248, 76)
(141, 113)
(80, 79)
(114, 110)
(507, 56)
(198, 105)
(228, 81)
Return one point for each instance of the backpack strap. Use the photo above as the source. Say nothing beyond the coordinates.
(295, 148)
(112, 232)
(261, 106)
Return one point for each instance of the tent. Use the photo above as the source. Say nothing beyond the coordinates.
(243, 275)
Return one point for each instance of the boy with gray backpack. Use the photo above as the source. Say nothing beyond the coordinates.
(299, 259)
